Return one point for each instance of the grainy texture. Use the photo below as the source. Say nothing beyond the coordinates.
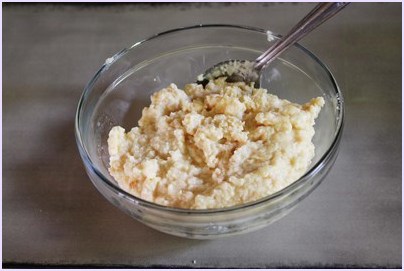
(213, 147)
(53, 215)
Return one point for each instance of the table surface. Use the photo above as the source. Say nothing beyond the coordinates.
(52, 215)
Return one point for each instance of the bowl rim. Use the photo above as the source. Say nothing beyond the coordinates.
(279, 194)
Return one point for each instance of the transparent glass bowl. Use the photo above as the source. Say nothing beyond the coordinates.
(122, 87)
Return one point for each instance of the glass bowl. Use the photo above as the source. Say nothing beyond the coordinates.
(122, 87)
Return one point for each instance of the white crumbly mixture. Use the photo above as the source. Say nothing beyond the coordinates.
(213, 147)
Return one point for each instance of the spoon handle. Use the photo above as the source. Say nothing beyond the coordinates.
(316, 17)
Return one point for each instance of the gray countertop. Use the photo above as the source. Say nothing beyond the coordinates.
(52, 215)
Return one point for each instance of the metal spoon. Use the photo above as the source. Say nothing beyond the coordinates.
(250, 71)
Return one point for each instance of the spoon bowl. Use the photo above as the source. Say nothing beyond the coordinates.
(234, 70)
